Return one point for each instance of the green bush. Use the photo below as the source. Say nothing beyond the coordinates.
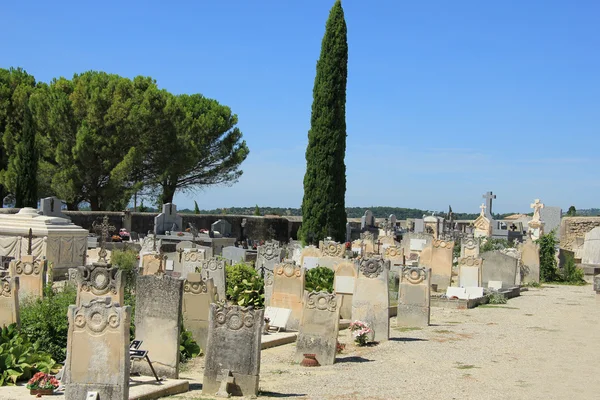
(45, 320)
(319, 279)
(496, 298)
(244, 286)
(548, 269)
(570, 273)
(188, 348)
(20, 358)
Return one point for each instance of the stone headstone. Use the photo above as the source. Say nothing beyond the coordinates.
(98, 351)
(269, 255)
(158, 308)
(214, 269)
(370, 301)
(499, 267)
(367, 221)
(99, 281)
(591, 247)
(551, 217)
(288, 292)
(395, 254)
(330, 248)
(439, 258)
(9, 301)
(469, 271)
(393, 221)
(457, 292)
(469, 247)
(198, 295)
(151, 264)
(278, 317)
(419, 225)
(222, 226)
(191, 260)
(167, 220)
(343, 284)
(32, 276)
(530, 262)
(234, 343)
(417, 244)
(310, 262)
(319, 327)
(233, 254)
(52, 207)
(414, 297)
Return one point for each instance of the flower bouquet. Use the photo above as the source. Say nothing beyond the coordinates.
(42, 383)
(360, 332)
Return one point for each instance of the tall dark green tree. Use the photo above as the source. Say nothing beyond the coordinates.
(26, 165)
(323, 206)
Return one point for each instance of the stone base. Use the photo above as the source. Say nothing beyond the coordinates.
(243, 385)
(146, 388)
(412, 316)
(78, 391)
(458, 304)
(163, 371)
(589, 271)
(277, 339)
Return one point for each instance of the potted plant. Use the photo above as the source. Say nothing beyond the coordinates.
(42, 384)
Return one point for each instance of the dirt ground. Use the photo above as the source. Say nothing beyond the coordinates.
(542, 345)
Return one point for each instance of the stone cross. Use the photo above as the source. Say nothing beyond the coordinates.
(537, 206)
(482, 209)
(226, 379)
(104, 229)
(194, 232)
(488, 202)
(180, 251)
(161, 257)
(30, 242)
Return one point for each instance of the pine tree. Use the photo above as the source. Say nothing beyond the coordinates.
(196, 209)
(323, 206)
(26, 165)
(256, 211)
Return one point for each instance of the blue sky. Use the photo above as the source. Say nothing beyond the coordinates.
(445, 101)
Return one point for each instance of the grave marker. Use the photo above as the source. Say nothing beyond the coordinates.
(469, 271)
(198, 294)
(99, 280)
(343, 282)
(499, 267)
(414, 297)
(370, 301)
(31, 273)
(214, 269)
(288, 292)
(9, 301)
(438, 257)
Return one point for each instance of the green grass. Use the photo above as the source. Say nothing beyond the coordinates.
(496, 306)
(566, 283)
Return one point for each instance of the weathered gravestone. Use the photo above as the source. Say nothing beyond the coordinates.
(591, 247)
(395, 254)
(32, 276)
(99, 280)
(367, 221)
(214, 269)
(152, 263)
(438, 257)
(330, 248)
(269, 255)
(232, 360)
(198, 294)
(597, 284)
(222, 226)
(499, 267)
(310, 252)
(469, 246)
(469, 271)
(98, 351)
(158, 308)
(288, 292)
(9, 301)
(530, 260)
(319, 327)
(191, 260)
(370, 301)
(414, 297)
(343, 284)
(167, 220)
(234, 254)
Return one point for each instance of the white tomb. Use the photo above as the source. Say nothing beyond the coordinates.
(63, 243)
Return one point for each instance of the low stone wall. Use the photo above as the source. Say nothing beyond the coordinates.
(573, 230)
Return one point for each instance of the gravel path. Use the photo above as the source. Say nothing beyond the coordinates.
(542, 345)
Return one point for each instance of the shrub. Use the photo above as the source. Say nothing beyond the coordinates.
(244, 286)
(20, 358)
(188, 348)
(548, 270)
(319, 279)
(496, 298)
(570, 273)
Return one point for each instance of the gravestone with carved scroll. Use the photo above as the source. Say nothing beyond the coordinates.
(198, 295)
(31, 273)
(343, 286)
(214, 268)
(414, 297)
(288, 291)
(439, 257)
(9, 301)
(99, 280)
(469, 271)
(370, 301)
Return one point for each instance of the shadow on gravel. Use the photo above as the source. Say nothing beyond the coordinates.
(407, 339)
(352, 359)
(275, 394)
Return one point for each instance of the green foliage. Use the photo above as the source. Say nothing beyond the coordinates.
(548, 269)
(496, 298)
(492, 244)
(142, 207)
(25, 165)
(244, 286)
(572, 211)
(256, 211)
(319, 279)
(323, 205)
(570, 273)
(45, 319)
(188, 348)
(196, 208)
(20, 358)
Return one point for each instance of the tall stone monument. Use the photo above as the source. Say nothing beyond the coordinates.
(214, 269)
(536, 225)
(343, 285)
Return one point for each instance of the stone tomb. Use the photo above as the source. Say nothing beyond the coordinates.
(319, 327)
(198, 294)
(98, 351)
(214, 269)
(499, 267)
(414, 297)
(31, 273)
(159, 301)
(439, 258)
(99, 280)
(232, 361)
(269, 255)
(288, 292)
(9, 301)
(530, 261)
(370, 301)
(469, 271)
(343, 284)
(168, 220)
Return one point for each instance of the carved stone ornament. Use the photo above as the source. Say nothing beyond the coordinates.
(289, 270)
(393, 251)
(213, 264)
(268, 278)
(192, 256)
(234, 317)
(28, 268)
(269, 251)
(471, 243)
(98, 280)
(470, 261)
(333, 249)
(414, 275)
(195, 287)
(371, 267)
(442, 243)
(322, 301)
(97, 316)
(367, 236)
(6, 288)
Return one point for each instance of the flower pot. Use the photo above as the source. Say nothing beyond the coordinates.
(44, 392)
(310, 360)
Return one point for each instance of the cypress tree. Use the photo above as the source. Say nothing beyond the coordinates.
(323, 206)
(26, 165)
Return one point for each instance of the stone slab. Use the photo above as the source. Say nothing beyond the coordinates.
(277, 339)
(146, 387)
(278, 316)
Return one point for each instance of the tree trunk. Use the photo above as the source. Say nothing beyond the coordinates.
(72, 206)
(2, 196)
(94, 203)
(168, 193)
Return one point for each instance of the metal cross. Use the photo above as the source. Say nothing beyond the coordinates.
(30, 240)
(103, 230)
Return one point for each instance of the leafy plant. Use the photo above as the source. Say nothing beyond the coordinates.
(570, 273)
(244, 286)
(548, 270)
(188, 348)
(496, 298)
(20, 358)
(319, 279)
(235, 274)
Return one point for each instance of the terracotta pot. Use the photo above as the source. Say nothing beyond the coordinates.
(310, 360)
(44, 392)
